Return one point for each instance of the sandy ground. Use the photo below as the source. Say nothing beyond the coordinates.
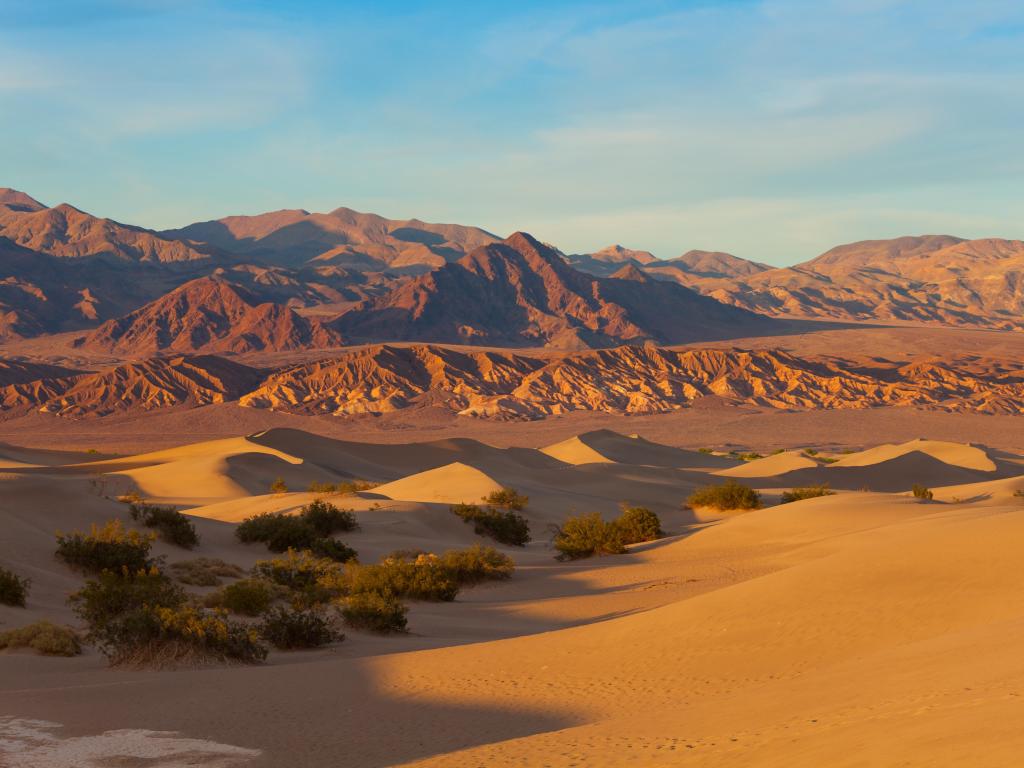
(861, 629)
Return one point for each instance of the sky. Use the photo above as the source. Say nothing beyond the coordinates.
(772, 129)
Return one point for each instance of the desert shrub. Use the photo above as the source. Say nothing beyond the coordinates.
(108, 548)
(477, 563)
(142, 618)
(325, 518)
(425, 578)
(298, 570)
(374, 612)
(827, 459)
(507, 498)
(637, 524)
(1019, 493)
(279, 486)
(706, 450)
(13, 588)
(288, 628)
(810, 492)
(44, 637)
(729, 495)
(505, 526)
(281, 532)
(810, 451)
(173, 527)
(587, 535)
(204, 571)
(748, 456)
(344, 488)
(249, 597)
(132, 497)
(922, 492)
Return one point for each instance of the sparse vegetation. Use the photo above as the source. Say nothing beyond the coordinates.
(281, 532)
(374, 612)
(13, 588)
(44, 637)
(504, 526)
(173, 527)
(922, 492)
(326, 519)
(204, 572)
(248, 597)
(290, 628)
(345, 488)
(746, 456)
(827, 459)
(508, 499)
(476, 564)
(425, 578)
(810, 492)
(726, 497)
(587, 535)
(637, 524)
(109, 548)
(1019, 493)
(279, 486)
(143, 618)
(706, 450)
(811, 452)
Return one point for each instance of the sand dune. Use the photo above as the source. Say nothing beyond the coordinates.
(956, 454)
(770, 466)
(450, 484)
(865, 628)
(603, 445)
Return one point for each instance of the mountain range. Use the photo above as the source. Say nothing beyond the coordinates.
(294, 280)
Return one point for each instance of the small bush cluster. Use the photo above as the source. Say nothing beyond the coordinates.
(728, 496)
(13, 588)
(345, 488)
(43, 637)
(173, 527)
(142, 617)
(279, 486)
(248, 597)
(747, 456)
(109, 548)
(810, 492)
(374, 612)
(425, 578)
(587, 535)
(292, 628)
(204, 571)
(310, 529)
(504, 526)
(921, 492)
(477, 564)
(638, 524)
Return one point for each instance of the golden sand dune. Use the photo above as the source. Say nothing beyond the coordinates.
(770, 466)
(450, 484)
(604, 445)
(865, 628)
(956, 454)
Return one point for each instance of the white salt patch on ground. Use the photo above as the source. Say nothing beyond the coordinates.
(33, 744)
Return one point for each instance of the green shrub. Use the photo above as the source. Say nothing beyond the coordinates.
(44, 637)
(587, 535)
(108, 548)
(317, 578)
(921, 492)
(728, 496)
(142, 618)
(374, 612)
(281, 532)
(204, 571)
(508, 499)
(279, 486)
(325, 518)
(249, 597)
(13, 588)
(424, 578)
(344, 488)
(174, 527)
(287, 628)
(505, 526)
(637, 524)
(706, 450)
(476, 564)
(810, 492)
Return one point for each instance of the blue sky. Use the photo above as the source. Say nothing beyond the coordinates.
(773, 129)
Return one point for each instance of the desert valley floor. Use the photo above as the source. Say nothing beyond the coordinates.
(863, 628)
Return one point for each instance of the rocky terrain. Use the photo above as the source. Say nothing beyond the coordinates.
(505, 385)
